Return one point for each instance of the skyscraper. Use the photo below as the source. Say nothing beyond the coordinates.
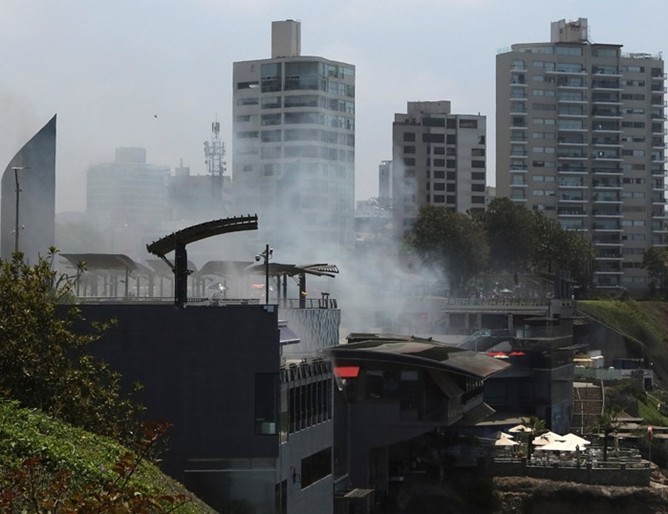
(438, 158)
(127, 199)
(580, 137)
(30, 181)
(294, 147)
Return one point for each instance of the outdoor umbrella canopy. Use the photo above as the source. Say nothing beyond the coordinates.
(559, 446)
(576, 439)
(504, 441)
(519, 429)
(500, 435)
(546, 438)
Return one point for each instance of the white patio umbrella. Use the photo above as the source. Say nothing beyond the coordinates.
(558, 446)
(519, 429)
(546, 438)
(504, 441)
(581, 441)
(500, 434)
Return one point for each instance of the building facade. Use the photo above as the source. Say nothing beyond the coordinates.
(580, 137)
(438, 158)
(127, 199)
(294, 147)
(29, 197)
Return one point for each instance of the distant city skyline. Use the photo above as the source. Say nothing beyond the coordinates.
(129, 74)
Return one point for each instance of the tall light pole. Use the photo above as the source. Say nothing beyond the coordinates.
(17, 226)
(268, 252)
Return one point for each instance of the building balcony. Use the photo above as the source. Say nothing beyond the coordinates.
(599, 212)
(606, 170)
(573, 170)
(571, 211)
(517, 167)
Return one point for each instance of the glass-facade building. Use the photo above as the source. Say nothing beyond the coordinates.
(294, 147)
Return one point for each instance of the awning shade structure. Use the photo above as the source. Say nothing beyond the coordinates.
(504, 441)
(416, 351)
(346, 371)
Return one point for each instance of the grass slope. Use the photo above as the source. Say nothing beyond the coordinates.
(90, 458)
(643, 323)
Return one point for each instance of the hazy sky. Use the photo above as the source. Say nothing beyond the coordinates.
(108, 68)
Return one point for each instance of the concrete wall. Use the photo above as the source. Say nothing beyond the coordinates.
(637, 476)
(198, 366)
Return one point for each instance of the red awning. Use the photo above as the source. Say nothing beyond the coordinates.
(346, 371)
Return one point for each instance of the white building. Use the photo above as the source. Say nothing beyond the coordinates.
(438, 158)
(580, 137)
(294, 148)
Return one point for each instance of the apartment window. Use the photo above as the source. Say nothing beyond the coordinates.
(409, 136)
(266, 403)
(470, 124)
(476, 175)
(433, 138)
(477, 164)
(451, 188)
(271, 119)
(451, 139)
(433, 122)
(409, 149)
(477, 199)
(478, 188)
(248, 135)
(439, 186)
(316, 467)
(270, 136)
(451, 123)
(439, 174)
(439, 198)
(568, 50)
(478, 152)
(439, 162)
(409, 161)
(451, 163)
(438, 150)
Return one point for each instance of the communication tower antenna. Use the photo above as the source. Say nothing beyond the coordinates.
(214, 151)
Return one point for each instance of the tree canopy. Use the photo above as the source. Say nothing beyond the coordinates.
(43, 361)
(507, 237)
(453, 241)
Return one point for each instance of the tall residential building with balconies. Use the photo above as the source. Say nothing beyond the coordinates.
(294, 147)
(580, 136)
(438, 158)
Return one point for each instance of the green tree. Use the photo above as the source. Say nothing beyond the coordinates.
(535, 427)
(510, 235)
(655, 261)
(608, 423)
(453, 241)
(43, 361)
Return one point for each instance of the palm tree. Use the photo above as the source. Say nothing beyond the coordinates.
(536, 426)
(608, 424)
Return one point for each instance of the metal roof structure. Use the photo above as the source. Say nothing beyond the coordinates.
(177, 242)
(416, 351)
(102, 261)
(201, 231)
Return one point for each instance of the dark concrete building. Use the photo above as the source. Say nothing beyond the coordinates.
(248, 426)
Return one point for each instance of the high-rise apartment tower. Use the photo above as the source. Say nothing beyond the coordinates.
(438, 158)
(580, 137)
(294, 147)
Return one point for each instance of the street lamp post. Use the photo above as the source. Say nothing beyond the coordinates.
(17, 226)
(266, 255)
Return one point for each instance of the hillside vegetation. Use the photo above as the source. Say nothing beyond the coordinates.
(642, 323)
(47, 465)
